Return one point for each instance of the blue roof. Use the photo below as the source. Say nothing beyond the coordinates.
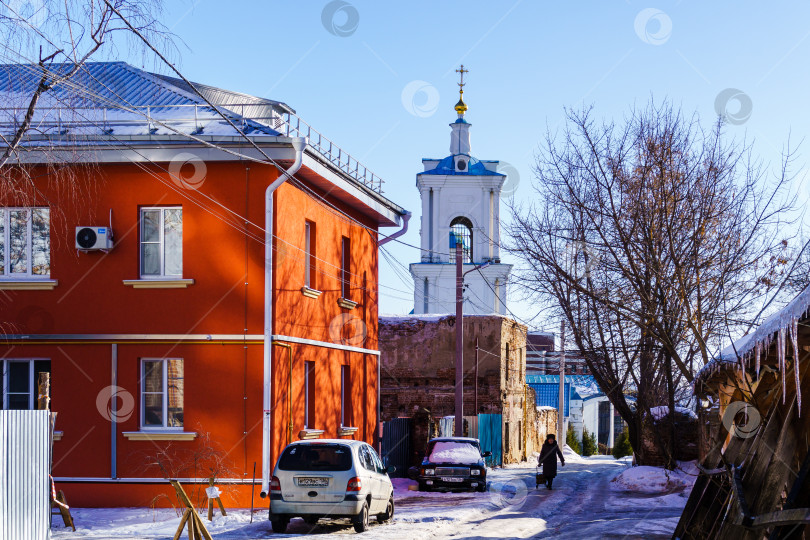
(475, 167)
(548, 395)
(578, 380)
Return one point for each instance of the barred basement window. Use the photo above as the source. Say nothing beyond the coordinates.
(25, 243)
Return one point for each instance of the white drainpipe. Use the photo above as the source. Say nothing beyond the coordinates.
(298, 145)
(405, 218)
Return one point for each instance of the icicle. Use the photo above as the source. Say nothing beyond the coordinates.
(757, 353)
(780, 351)
(794, 336)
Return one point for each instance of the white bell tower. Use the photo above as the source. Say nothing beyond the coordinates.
(462, 195)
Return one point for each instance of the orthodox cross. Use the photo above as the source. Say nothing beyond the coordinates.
(462, 71)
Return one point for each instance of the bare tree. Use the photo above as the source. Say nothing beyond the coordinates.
(54, 39)
(653, 240)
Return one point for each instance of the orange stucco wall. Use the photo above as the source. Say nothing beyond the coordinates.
(223, 381)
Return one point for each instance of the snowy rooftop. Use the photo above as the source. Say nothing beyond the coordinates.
(584, 385)
(117, 101)
(781, 329)
(387, 318)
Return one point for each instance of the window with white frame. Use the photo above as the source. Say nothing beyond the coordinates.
(162, 242)
(309, 394)
(309, 254)
(162, 393)
(25, 243)
(20, 380)
(345, 267)
(345, 395)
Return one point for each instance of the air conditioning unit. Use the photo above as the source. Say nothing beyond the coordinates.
(93, 238)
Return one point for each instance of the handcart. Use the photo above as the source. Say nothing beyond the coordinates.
(539, 478)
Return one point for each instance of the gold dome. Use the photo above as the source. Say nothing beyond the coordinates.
(461, 107)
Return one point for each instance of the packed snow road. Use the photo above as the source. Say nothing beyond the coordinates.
(583, 504)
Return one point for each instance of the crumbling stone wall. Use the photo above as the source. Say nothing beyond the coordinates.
(418, 365)
(418, 373)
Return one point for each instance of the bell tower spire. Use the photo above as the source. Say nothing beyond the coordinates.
(460, 135)
(461, 107)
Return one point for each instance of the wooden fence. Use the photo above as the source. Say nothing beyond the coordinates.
(755, 480)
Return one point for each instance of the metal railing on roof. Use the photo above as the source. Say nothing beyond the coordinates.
(248, 116)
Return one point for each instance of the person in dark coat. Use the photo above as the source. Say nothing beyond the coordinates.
(548, 459)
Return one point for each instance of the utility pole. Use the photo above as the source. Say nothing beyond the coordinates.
(561, 408)
(459, 430)
(476, 376)
(457, 243)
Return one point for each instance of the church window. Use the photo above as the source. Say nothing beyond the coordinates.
(461, 231)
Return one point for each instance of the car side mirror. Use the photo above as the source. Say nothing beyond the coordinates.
(391, 469)
(486, 454)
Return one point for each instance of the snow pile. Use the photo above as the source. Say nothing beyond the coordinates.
(454, 452)
(660, 412)
(654, 480)
(571, 456)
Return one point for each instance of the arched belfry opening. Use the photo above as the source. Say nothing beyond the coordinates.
(461, 230)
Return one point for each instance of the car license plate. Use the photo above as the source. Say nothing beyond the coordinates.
(313, 482)
(451, 479)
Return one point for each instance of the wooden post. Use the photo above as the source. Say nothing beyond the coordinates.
(196, 528)
(44, 391)
(218, 500)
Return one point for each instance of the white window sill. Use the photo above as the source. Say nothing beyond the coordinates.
(57, 435)
(310, 293)
(28, 285)
(158, 283)
(309, 433)
(160, 435)
(344, 431)
(345, 303)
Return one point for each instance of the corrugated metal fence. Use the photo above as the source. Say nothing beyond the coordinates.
(396, 445)
(489, 433)
(25, 458)
(471, 426)
(447, 426)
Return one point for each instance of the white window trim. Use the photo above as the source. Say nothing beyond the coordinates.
(345, 267)
(161, 242)
(307, 390)
(165, 384)
(308, 254)
(343, 369)
(5, 217)
(32, 384)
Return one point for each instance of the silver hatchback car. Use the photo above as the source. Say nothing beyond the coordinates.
(330, 478)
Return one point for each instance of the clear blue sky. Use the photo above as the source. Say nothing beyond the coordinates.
(527, 61)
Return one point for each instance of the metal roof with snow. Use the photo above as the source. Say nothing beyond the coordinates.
(115, 101)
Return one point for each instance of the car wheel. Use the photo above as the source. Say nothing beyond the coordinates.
(482, 487)
(311, 520)
(361, 520)
(280, 524)
(423, 487)
(389, 512)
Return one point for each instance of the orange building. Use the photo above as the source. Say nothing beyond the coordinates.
(200, 297)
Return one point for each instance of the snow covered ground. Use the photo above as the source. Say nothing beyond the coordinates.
(596, 497)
